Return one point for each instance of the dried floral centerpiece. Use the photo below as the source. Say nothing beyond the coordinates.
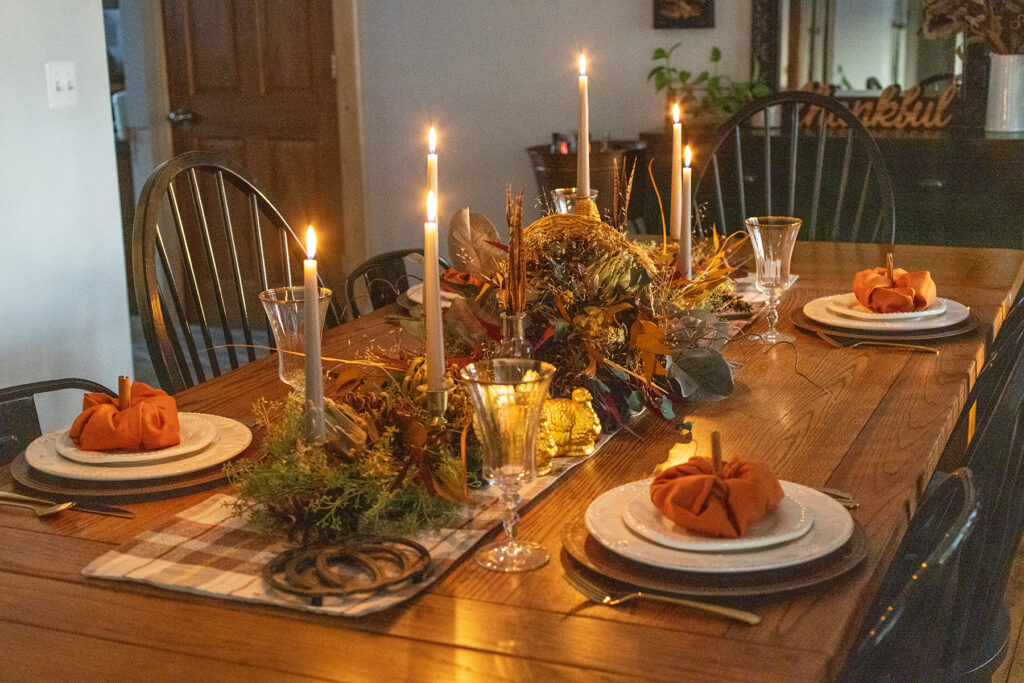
(611, 314)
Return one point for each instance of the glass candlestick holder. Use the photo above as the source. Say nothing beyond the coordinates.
(285, 310)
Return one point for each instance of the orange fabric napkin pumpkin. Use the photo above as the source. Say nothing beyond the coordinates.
(150, 423)
(902, 293)
(694, 498)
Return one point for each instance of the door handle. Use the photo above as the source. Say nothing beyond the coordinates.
(180, 116)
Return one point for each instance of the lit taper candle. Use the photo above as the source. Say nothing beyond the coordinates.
(685, 257)
(583, 144)
(314, 411)
(432, 162)
(675, 216)
(432, 299)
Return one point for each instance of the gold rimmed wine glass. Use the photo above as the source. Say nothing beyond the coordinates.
(507, 396)
(773, 238)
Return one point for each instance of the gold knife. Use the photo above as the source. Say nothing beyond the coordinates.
(107, 510)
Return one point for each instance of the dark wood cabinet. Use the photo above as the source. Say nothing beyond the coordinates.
(959, 186)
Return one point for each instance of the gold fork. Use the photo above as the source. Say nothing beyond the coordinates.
(595, 593)
(40, 510)
(892, 345)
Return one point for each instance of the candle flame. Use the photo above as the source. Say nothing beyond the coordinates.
(687, 155)
(433, 140)
(675, 112)
(310, 243)
(431, 207)
(583, 64)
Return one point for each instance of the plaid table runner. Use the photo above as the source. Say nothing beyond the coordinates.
(206, 550)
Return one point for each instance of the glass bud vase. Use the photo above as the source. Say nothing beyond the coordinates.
(513, 337)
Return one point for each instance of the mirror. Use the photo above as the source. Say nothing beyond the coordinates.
(860, 48)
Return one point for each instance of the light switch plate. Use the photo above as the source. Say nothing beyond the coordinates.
(61, 85)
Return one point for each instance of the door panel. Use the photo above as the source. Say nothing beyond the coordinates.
(256, 77)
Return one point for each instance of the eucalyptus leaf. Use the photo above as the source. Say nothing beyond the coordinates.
(635, 402)
(620, 374)
(700, 374)
(666, 408)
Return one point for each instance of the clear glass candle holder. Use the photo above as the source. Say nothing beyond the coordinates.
(285, 310)
(563, 199)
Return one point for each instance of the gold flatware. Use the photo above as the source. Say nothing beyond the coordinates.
(842, 497)
(107, 510)
(595, 593)
(40, 510)
(851, 344)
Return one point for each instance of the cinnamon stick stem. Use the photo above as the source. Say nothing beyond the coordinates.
(888, 266)
(124, 392)
(716, 453)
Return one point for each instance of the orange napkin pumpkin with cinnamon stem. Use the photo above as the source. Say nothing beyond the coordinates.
(894, 290)
(694, 498)
(150, 422)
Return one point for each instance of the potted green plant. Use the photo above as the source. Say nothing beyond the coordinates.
(706, 95)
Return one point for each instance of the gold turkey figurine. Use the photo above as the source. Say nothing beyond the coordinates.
(569, 427)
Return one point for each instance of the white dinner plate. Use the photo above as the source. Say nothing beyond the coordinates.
(788, 521)
(832, 527)
(415, 294)
(195, 430)
(818, 311)
(232, 438)
(848, 306)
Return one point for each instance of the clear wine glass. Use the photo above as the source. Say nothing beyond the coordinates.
(284, 307)
(507, 395)
(773, 238)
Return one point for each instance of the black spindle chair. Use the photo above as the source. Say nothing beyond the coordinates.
(996, 458)
(205, 242)
(906, 634)
(384, 276)
(19, 420)
(832, 177)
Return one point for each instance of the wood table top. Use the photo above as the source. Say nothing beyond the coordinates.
(878, 436)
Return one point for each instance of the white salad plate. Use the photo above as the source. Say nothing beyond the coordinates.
(819, 311)
(231, 439)
(195, 430)
(832, 527)
(848, 306)
(788, 521)
(415, 294)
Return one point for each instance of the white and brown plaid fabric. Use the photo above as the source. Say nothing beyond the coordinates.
(208, 551)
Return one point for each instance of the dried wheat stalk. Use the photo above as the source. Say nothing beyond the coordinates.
(515, 280)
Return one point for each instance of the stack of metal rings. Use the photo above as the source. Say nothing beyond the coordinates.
(361, 565)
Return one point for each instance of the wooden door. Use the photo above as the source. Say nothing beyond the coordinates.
(253, 80)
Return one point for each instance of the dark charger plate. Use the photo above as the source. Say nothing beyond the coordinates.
(970, 324)
(115, 492)
(582, 547)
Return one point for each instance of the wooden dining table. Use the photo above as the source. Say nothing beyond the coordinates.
(870, 421)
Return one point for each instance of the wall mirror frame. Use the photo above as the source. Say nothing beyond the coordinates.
(765, 41)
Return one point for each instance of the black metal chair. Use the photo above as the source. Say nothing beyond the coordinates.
(988, 386)
(906, 635)
(19, 420)
(205, 242)
(839, 185)
(384, 276)
(996, 459)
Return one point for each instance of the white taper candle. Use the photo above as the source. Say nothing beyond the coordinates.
(583, 144)
(432, 299)
(314, 401)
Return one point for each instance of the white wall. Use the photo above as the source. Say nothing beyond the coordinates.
(498, 77)
(64, 310)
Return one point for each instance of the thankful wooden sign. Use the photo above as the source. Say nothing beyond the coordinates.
(894, 108)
